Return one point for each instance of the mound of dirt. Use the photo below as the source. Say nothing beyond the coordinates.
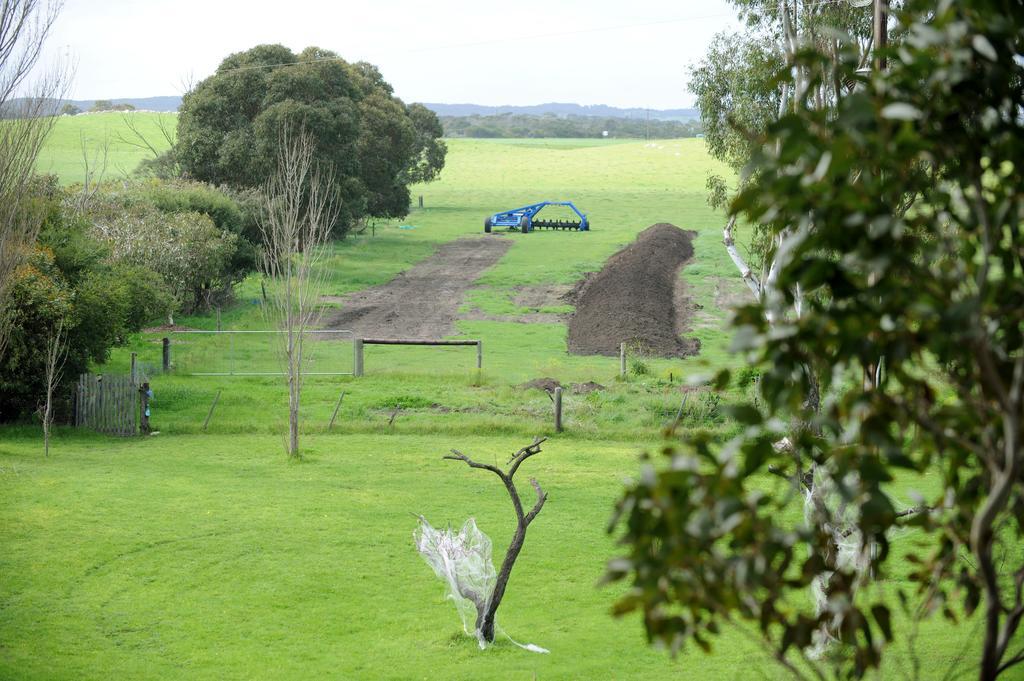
(636, 299)
(548, 385)
(168, 328)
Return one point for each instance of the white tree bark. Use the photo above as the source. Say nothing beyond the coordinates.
(820, 506)
(753, 283)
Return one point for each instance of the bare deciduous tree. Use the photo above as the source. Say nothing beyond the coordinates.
(486, 609)
(29, 110)
(94, 169)
(56, 355)
(297, 217)
(137, 137)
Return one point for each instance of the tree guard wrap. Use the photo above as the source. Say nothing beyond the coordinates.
(462, 560)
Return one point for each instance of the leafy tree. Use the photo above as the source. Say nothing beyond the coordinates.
(232, 211)
(199, 239)
(69, 283)
(102, 105)
(386, 147)
(432, 149)
(229, 126)
(96, 308)
(187, 250)
(70, 109)
(903, 210)
(741, 98)
(738, 97)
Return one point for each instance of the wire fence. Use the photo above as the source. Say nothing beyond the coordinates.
(194, 352)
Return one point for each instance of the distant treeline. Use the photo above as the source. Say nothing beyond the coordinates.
(520, 125)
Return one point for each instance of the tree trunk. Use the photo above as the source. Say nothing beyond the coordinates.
(487, 628)
(293, 405)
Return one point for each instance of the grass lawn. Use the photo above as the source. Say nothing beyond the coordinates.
(210, 557)
(205, 554)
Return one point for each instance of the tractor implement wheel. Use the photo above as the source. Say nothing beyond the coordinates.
(487, 225)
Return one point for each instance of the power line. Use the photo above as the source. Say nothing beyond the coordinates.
(537, 36)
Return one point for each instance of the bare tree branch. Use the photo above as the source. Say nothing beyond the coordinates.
(730, 246)
(297, 217)
(28, 110)
(485, 618)
(94, 169)
(56, 356)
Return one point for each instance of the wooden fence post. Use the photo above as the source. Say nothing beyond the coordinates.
(167, 353)
(558, 410)
(212, 407)
(101, 412)
(622, 360)
(479, 354)
(144, 408)
(336, 408)
(134, 369)
(421, 200)
(357, 358)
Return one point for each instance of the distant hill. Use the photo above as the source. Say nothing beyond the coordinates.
(556, 108)
(145, 103)
(15, 107)
(564, 109)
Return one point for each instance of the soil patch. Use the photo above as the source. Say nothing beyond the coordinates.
(167, 328)
(635, 299)
(422, 302)
(548, 385)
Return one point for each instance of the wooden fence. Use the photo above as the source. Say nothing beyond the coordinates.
(358, 343)
(107, 404)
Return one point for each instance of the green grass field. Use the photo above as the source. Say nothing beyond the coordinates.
(76, 139)
(206, 555)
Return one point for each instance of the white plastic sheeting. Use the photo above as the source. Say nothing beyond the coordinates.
(462, 559)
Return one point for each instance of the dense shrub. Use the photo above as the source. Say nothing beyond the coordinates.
(185, 249)
(107, 266)
(99, 306)
(234, 211)
(198, 238)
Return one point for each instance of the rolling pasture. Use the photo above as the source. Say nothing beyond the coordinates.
(75, 139)
(204, 554)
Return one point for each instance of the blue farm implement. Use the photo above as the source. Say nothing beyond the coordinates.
(525, 219)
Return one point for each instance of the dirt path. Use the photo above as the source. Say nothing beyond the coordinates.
(636, 298)
(421, 302)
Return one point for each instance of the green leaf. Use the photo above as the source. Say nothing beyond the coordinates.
(745, 414)
(882, 616)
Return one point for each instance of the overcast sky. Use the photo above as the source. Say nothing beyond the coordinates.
(452, 51)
